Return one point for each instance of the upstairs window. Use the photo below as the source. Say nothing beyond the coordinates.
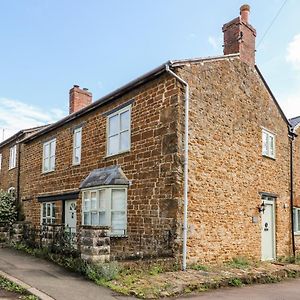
(268, 144)
(12, 157)
(48, 213)
(49, 149)
(296, 212)
(77, 146)
(106, 207)
(0, 161)
(118, 131)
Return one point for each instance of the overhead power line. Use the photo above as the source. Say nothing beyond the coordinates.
(272, 22)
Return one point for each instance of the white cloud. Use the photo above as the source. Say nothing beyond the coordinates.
(16, 115)
(291, 104)
(293, 52)
(213, 42)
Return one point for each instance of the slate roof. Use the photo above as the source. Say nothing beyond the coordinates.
(112, 175)
(294, 121)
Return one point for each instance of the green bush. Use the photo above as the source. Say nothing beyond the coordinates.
(8, 212)
(102, 272)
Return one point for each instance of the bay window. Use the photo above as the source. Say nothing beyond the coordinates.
(106, 206)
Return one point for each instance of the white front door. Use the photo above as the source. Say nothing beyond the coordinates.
(268, 230)
(70, 215)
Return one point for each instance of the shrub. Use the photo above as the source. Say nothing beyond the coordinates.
(8, 212)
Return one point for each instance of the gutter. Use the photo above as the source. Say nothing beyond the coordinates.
(186, 159)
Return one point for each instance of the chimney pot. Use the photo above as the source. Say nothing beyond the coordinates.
(76, 86)
(85, 89)
(245, 12)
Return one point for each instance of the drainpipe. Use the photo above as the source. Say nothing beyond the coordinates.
(18, 182)
(186, 159)
(292, 193)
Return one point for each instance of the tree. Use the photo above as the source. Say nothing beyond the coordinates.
(8, 211)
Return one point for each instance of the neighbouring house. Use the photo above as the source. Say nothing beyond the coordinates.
(11, 150)
(121, 161)
(295, 122)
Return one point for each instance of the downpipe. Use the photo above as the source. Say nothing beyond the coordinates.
(185, 164)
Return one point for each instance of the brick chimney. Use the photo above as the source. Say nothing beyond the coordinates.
(239, 37)
(79, 98)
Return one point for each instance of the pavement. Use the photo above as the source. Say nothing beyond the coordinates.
(285, 290)
(50, 281)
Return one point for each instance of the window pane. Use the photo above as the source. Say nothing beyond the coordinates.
(78, 138)
(87, 206)
(118, 222)
(102, 205)
(113, 144)
(48, 213)
(94, 218)
(52, 163)
(118, 200)
(52, 148)
(53, 210)
(102, 218)
(44, 210)
(124, 140)
(124, 119)
(298, 219)
(271, 145)
(113, 125)
(265, 143)
(93, 200)
(77, 155)
(86, 219)
(46, 150)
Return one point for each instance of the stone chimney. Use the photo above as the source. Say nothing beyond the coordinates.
(79, 98)
(239, 37)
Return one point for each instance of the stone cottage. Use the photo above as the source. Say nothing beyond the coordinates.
(190, 160)
(295, 177)
(11, 150)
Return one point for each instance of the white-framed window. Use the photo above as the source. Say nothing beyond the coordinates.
(118, 131)
(106, 206)
(12, 157)
(296, 212)
(268, 143)
(77, 146)
(0, 161)
(48, 213)
(49, 149)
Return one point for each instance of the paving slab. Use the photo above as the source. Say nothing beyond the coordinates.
(51, 279)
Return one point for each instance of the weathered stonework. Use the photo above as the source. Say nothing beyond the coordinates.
(229, 106)
(95, 243)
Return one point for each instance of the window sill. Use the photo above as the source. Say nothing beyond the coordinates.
(75, 165)
(118, 236)
(269, 157)
(11, 168)
(47, 172)
(297, 233)
(119, 153)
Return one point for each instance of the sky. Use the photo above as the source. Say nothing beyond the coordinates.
(47, 46)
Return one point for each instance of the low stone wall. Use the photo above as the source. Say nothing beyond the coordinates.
(95, 243)
(4, 232)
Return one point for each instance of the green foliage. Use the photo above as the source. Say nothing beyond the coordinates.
(103, 272)
(235, 282)
(155, 270)
(10, 286)
(199, 267)
(239, 263)
(8, 212)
